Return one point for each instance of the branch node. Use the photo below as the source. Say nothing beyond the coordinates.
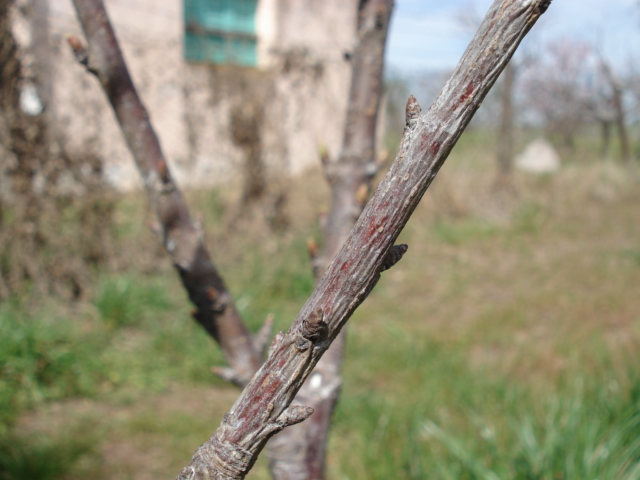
(314, 327)
(78, 49)
(302, 343)
(218, 459)
(293, 415)
(395, 254)
(412, 112)
(80, 52)
(543, 6)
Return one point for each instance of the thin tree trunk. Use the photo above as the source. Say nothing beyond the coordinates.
(183, 238)
(263, 408)
(621, 123)
(619, 113)
(299, 452)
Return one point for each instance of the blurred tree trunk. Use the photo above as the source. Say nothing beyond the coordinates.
(620, 119)
(183, 237)
(54, 210)
(299, 452)
(619, 115)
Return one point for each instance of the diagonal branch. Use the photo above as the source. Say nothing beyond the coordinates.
(299, 453)
(263, 407)
(183, 238)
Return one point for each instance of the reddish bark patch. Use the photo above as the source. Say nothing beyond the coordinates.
(435, 147)
(465, 96)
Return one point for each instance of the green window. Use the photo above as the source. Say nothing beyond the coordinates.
(221, 31)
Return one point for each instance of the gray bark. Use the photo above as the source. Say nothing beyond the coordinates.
(263, 408)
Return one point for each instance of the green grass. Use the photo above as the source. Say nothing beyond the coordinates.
(500, 347)
(40, 458)
(430, 416)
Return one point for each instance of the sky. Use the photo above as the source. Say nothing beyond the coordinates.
(427, 35)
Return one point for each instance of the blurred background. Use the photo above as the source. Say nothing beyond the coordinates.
(503, 346)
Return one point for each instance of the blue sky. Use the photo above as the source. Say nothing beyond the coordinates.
(426, 35)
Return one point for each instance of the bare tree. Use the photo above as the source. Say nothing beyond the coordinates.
(612, 110)
(263, 408)
(557, 89)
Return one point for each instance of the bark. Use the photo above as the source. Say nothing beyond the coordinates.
(299, 452)
(263, 408)
(182, 237)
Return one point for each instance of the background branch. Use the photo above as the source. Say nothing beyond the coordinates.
(263, 407)
(182, 237)
(299, 452)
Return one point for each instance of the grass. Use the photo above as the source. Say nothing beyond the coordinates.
(502, 346)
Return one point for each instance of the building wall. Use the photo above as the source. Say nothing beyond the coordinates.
(293, 103)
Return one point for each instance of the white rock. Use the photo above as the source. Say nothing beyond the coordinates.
(539, 156)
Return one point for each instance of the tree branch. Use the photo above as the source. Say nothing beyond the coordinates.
(299, 453)
(183, 238)
(263, 407)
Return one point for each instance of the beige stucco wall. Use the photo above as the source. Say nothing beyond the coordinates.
(301, 87)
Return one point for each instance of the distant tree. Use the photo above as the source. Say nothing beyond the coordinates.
(609, 108)
(558, 88)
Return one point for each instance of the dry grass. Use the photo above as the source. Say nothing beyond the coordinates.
(506, 304)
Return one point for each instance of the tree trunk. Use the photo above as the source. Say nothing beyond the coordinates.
(618, 109)
(621, 123)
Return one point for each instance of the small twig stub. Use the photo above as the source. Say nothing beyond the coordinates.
(395, 254)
